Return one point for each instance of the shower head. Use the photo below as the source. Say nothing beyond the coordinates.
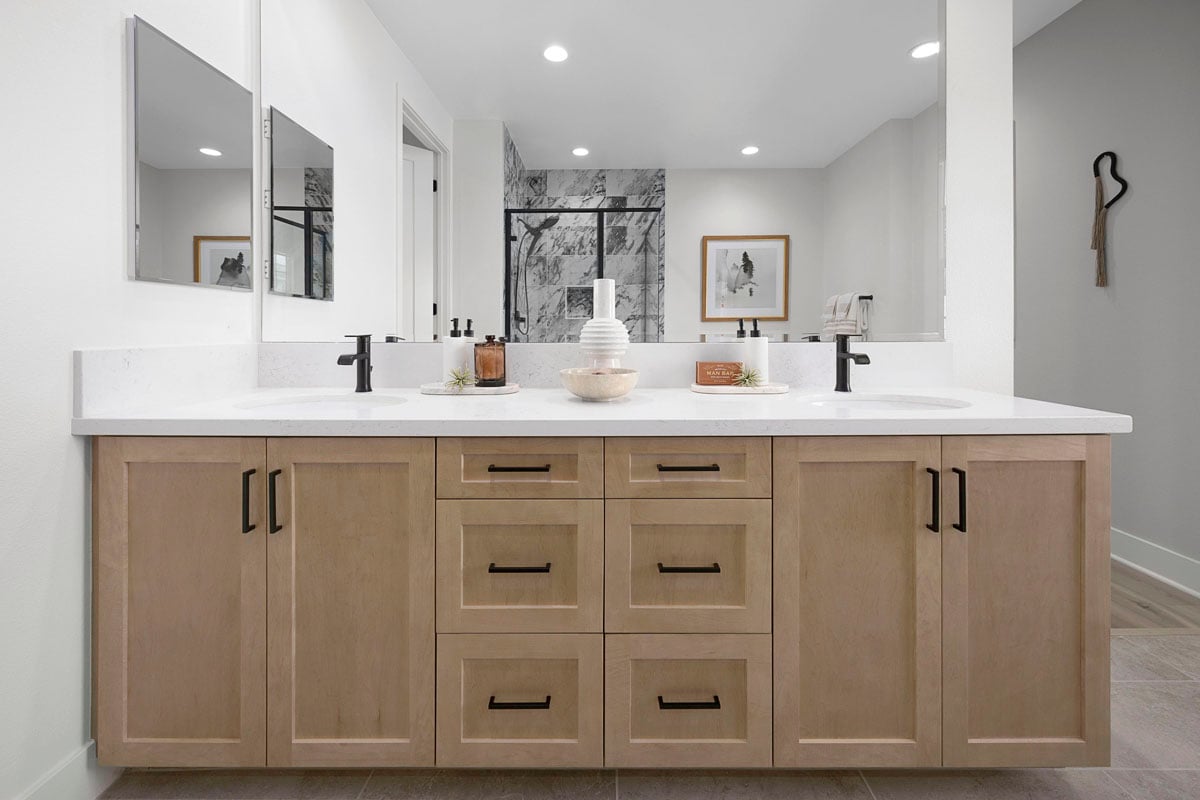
(545, 225)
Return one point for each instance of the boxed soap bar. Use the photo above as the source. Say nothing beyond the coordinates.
(717, 373)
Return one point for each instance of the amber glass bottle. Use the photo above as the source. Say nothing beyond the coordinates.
(489, 362)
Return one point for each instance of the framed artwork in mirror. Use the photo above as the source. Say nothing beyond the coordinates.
(221, 261)
(744, 277)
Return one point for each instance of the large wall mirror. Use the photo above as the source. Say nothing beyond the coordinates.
(719, 160)
(193, 141)
(301, 211)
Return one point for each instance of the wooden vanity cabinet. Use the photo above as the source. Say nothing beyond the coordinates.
(1025, 594)
(811, 602)
(236, 631)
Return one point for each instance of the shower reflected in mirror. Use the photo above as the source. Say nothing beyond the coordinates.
(301, 211)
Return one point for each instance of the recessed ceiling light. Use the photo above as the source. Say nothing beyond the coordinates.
(209, 151)
(555, 53)
(749, 150)
(926, 49)
(580, 151)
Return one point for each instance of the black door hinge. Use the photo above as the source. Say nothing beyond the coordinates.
(435, 184)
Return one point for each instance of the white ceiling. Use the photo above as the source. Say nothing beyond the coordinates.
(680, 83)
(184, 104)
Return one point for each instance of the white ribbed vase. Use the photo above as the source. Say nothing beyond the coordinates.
(604, 338)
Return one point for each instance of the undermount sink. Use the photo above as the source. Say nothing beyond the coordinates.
(349, 402)
(885, 402)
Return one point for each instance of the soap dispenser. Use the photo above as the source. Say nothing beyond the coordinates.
(456, 352)
(756, 354)
(489, 362)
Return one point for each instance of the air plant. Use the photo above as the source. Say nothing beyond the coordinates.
(748, 377)
(460, 379)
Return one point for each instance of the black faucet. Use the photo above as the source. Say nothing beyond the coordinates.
(844, 357)
(361, 359)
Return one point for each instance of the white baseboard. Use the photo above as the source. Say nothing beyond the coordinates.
(76, 777)
(1174, 569)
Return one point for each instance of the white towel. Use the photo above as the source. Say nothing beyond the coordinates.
(843, 315)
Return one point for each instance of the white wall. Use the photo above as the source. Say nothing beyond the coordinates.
(977, 72)
(712, 202)
(478, 226)
(178, 204)
(1114, 75)
(62, 65)
(881, 225)
(334, 69)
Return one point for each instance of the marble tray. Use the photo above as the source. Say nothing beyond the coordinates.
(766, 388)
(440, 388)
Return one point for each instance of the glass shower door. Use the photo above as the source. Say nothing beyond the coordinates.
(553, 257)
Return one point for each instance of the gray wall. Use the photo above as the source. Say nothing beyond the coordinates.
(1123, 76)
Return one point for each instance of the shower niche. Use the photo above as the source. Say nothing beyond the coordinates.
(554, 254)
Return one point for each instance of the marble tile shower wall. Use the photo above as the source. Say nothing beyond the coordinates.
(563, 260)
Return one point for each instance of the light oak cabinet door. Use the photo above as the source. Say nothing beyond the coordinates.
(520, 700)
(350, 598)
(688, 566)
(508, 566)
(179, 602)
(857, 602)
(687, 700)
(701, 467)
(1025, 592)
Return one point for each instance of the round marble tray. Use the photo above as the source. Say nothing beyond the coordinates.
(440, 388)
(766, 388)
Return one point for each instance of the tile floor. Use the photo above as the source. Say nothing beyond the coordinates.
(1155, 748)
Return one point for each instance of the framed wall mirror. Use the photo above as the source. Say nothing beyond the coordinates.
(813, 126)
(301, 211)
(193, 143)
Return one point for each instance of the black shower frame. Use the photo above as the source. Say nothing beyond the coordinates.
(600, 254)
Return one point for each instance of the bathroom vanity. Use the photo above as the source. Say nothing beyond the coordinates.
(776, 583)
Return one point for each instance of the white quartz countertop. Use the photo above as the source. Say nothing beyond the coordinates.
(554, 412)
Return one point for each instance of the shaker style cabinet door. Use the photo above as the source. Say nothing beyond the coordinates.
(350, 578)
(1025, 590)
(857, 603)
(179, 601)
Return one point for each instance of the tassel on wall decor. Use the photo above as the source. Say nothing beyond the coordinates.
(1100, 221)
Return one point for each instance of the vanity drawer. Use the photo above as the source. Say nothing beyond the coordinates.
(511, 566)
(520, 468)
(688, 566)
(688, 701)
(704, 467)
(520, 700)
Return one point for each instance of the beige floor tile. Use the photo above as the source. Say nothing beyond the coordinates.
(238, 785)
(486, 785)
(1158, 784)
(1156, 725)
(729, 785)
(1180, 652)
(1131, 661)
(1024, 784)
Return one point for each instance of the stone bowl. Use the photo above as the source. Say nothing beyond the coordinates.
(599, 384)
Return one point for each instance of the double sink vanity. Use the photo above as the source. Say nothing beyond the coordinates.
(314, 577)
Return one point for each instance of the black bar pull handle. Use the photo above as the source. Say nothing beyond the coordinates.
(936, 504)
(961, 525)
(534, 706)
(689, 468)
(246, 526)
(500, 468)
(715, 705)
(716, 567)
(508, 570)
(272, 511)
